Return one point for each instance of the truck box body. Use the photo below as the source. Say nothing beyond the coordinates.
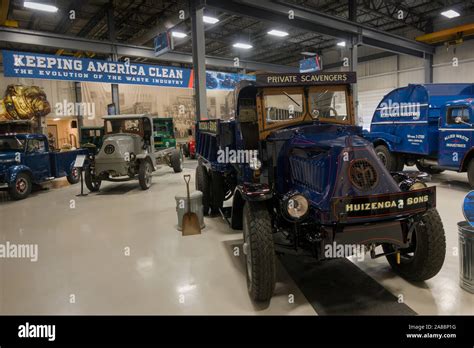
(408, 118)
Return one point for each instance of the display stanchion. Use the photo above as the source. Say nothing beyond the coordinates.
(79, 164)
(82, 194)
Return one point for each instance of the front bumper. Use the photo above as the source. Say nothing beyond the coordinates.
(360, 209)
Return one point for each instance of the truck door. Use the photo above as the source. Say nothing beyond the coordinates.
(455, 135)
(37, 159)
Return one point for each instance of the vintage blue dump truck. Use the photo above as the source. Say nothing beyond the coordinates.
(25, 159)
(429, 125)
(302, 179)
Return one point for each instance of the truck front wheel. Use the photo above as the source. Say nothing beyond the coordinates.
(424, 257)
(176, 161)
(145, 172)
(259, 251)
(470, 173)
(74, 176)
(92, 183)
(390, 160)
(21, 187)
(203, 184)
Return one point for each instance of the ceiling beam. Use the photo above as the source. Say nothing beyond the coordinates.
(44, 39)
(314, 21)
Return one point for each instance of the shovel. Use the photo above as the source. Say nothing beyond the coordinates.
(190, 220)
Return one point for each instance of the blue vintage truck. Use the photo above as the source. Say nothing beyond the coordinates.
(25, 159)
(301, 179)
(430, 125)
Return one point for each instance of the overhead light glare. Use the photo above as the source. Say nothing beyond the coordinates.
(341, 43)
(210, 20)
(178, 34)
(306, 53)
(242, 45)
(450, 14)
(56, 119)
(278, 33)
(39, 6)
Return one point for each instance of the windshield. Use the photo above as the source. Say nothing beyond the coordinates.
(328, 104)
(11, 144)
(284, 106)
(123, 126)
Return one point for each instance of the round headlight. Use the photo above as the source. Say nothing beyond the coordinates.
(255, 163)
(297, 206)
(418, 185)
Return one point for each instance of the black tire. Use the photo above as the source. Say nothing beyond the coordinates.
(92, 184)
(186, 150)
(470, 173)
(425, 257)
(217, 192)
(21, 188)
(176, 161)
(74, 177)
(390, 160)
(259, 251)
(203, 184)
(145, 171)
(428, 169)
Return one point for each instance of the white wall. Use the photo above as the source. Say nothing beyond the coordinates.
(378, 77)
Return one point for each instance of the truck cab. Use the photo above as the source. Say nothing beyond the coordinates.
(300, 178)
(455, 138)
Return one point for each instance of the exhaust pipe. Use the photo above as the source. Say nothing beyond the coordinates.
(428, 163)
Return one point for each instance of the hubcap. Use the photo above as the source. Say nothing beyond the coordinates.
(382, 158)
(21, 185)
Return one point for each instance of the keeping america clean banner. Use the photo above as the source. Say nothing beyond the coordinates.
(52, 67)
(46, 66)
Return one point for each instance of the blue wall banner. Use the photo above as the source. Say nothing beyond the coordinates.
(51, 67)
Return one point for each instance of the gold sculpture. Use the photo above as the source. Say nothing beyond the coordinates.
(23, 103)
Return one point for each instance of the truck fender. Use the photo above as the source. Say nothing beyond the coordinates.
(247, 192)
(383, 141)
(15, 170)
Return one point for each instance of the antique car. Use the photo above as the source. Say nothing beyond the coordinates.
(302, 180)
(165, 144)
(127, 152)
(26, 159)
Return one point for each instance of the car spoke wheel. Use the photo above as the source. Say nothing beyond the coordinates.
(74, 176)
(92, 183)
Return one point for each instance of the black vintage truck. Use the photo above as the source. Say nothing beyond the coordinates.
(303, 179)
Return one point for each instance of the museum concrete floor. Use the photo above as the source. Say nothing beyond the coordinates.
(84, 266)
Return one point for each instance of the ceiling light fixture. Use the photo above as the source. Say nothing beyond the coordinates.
(278, 33)
(450, 14)
(39, 6)
(341, 43)
(306, 53)
(242, 45)
(178, 34)
(210, 20)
